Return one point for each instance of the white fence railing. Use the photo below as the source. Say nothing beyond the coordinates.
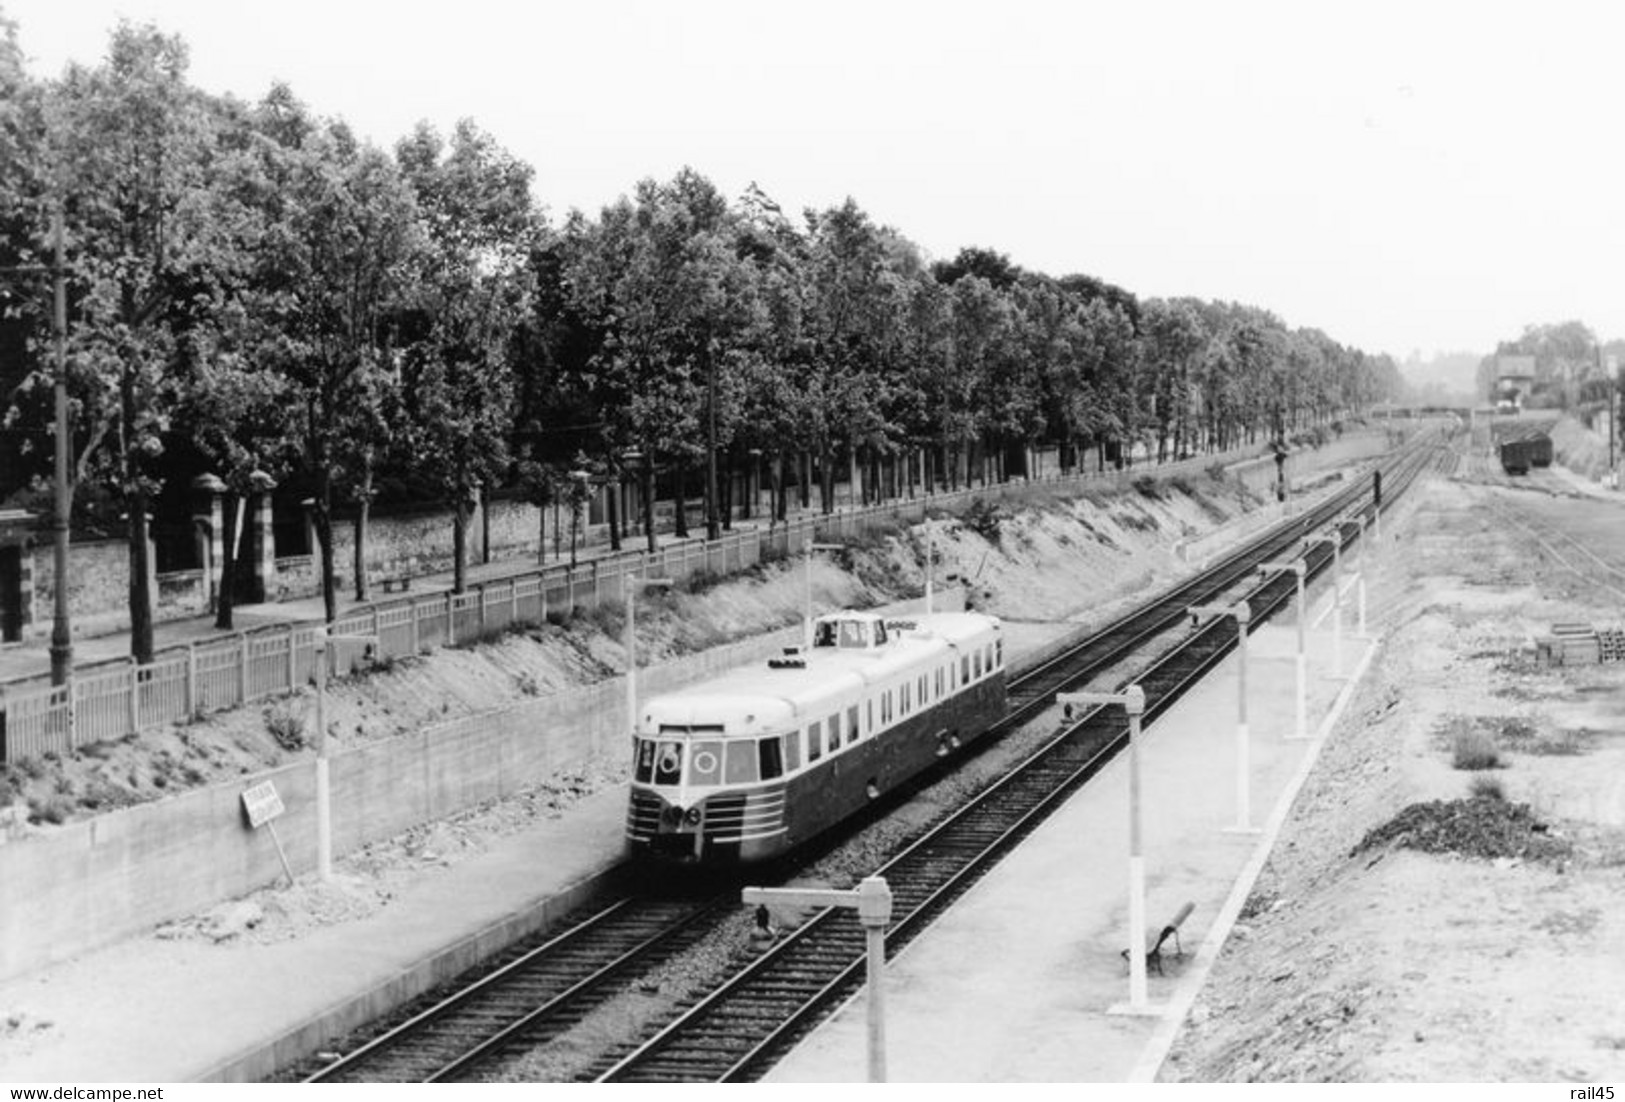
(112, 701)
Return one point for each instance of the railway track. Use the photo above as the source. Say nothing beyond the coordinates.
(536, 996)
(746, 1023)
(743, 1028)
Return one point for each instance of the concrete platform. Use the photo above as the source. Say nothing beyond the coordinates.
(1018, 982)
(150, 1010)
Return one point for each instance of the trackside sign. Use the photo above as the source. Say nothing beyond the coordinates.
(262, 804)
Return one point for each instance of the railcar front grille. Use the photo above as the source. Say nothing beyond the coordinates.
(643, 815)
(742, 816)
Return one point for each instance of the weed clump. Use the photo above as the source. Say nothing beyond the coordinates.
(1483, 826)
(1474, 750)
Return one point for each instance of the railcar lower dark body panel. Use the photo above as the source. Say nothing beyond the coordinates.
(813, 800)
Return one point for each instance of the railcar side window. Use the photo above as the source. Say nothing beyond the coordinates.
(741, 762)
(833, 724)
(998, 651)
(871, 703)
(964, 668)
(939, 682)
(705, 763)
(852, 725)
(792, 752)
(903, 693)
(669, 762)
(645, 769)
(976, 665)
(815, 741)
(768, 758)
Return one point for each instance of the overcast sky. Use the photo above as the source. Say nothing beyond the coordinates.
(1404, 178)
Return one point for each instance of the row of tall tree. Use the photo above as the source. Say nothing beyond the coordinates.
(260, 289)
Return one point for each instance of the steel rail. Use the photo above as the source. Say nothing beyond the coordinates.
(820, 961)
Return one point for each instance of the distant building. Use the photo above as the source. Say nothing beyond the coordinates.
(1514, 377)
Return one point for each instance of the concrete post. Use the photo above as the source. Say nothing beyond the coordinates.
(874, 912)
(324, 796)
(1243, 615)
(1337, 604)
(311, 539)
(261, 539)
(1302, 656)
(1133, 701)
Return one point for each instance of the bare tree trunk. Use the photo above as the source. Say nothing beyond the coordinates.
(140, 572)
(363, 516)
(680, 498)
(459, 544)
(324, 537)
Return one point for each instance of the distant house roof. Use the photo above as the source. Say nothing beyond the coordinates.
(1514, 367)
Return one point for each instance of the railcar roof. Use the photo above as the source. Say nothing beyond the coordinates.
(758, 698)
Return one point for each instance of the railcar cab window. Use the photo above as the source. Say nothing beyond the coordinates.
(705, 763)
(660, 761)
(740, 761)
(769, 752)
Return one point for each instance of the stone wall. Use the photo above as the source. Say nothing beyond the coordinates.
(90, 883)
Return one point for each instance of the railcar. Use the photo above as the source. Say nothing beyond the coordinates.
(752, 764)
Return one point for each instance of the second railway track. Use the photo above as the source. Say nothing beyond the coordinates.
(752, 1017)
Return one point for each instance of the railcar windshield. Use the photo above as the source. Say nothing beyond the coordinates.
(711, 761)
(660, 761)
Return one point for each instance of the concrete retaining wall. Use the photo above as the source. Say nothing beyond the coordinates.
(90, 883)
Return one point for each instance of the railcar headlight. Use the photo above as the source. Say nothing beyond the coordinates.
(673, 815)
(693, 816)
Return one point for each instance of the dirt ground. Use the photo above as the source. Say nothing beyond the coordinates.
(1381, 962)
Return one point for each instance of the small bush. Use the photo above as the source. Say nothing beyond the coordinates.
(1475, 750)
(702, 581)
(1148, 486)
(1216, 472)
(528, 684)
(286, 723)
(1486, 788)
(1182, 484)
(985, 519)
(56, 810)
